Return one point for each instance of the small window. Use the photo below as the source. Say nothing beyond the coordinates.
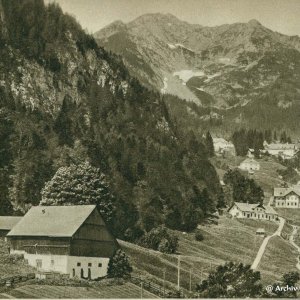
(100, 265)
(39, 263)
(78, 264)
(89, 264)
(52, 262)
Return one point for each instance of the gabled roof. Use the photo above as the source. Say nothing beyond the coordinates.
(270, 210)
(247, 207)
(54, 221)
(8, 222)
(285, 191)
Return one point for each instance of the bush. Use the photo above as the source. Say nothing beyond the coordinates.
(199, 236)
(119, 266)
(160, 239)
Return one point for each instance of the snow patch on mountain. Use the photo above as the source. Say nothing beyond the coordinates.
(224, 60)
(200, 89)
(171, 46)
(185, 75)
(178, 45)
(210, 77)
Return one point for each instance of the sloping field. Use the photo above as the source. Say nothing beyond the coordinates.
(230, 240)
(279, 258)
(291, 215)
(127, 291)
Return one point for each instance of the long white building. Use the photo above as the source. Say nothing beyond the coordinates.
(252, 211)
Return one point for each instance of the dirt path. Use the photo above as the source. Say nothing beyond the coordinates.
(264, 244)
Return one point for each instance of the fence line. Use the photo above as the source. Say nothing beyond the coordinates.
(154, 287)
(8, 281)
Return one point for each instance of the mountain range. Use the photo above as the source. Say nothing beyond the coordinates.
(227, 67)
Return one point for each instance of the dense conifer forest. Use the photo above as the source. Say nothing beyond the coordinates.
(158, 173)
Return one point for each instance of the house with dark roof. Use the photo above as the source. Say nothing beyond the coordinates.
(7, 223)
(67, 239)
(287, 197)
(252, 211)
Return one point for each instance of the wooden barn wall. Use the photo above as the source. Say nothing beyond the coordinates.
(94, 228)
(92, 248)
(41, 245)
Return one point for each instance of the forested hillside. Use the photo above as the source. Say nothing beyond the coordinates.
(65, 101)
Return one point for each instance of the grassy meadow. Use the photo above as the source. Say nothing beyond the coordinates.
(230, 240)
(279, 258)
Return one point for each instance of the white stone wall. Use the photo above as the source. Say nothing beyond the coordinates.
(68, 264)
(54, 263)
(290, 201)
(96, 270)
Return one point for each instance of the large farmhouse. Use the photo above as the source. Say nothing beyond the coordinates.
(7, 223)
(252, 211)
(67, 239)
(287, 197)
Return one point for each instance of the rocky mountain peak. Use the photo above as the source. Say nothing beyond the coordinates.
(254, 22)
(116, 26)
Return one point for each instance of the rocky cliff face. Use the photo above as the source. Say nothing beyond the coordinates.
(224, 66)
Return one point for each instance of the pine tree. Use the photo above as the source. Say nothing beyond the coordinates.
(209, 144)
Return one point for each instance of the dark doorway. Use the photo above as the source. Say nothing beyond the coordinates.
(89, 273)
(81, 273)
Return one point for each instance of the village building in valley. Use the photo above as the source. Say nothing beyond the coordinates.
(223, 147)
(67, 239)
(252, 211)
(287, 197)
(250, 165)
(285, 151)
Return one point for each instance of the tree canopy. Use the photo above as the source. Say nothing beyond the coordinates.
(78, 185)
(243, 189)
(231, 280)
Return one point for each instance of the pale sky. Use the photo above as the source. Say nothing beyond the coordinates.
(278, 15)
